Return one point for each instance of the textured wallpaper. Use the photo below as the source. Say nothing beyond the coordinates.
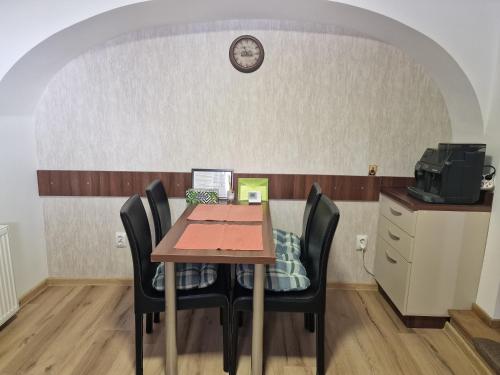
(80, 236)
(324, 101)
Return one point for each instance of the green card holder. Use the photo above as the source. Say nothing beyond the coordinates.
(246, 185)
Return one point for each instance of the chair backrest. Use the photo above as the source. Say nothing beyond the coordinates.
(135, 222)
(311, 203)
(160, 209)
(323, 227)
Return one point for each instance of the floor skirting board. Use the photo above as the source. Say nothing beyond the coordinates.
(40, 287)
(351, 286)
(129, 281)
(33, 293)
(491, 322)
(89, 281)
(471, 354)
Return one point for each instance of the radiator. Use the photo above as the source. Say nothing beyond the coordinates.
(8, 299)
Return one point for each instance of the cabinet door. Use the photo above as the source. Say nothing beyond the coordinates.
(392, 272)
(447, 261)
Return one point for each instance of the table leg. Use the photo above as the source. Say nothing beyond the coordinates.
(258, 319)
(170, 321)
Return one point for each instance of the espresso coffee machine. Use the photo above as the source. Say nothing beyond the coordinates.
(449, 174)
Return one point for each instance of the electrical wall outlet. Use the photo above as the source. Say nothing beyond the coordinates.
(120, 240)
(487, 184)
(372, 169)
(361, 242)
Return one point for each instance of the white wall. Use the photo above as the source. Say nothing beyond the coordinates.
(489, 288)
(24, 24)
(466, 29)
(462, 27)
(21, 88)
(20, 206)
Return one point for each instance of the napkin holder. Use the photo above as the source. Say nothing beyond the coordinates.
(202, 196)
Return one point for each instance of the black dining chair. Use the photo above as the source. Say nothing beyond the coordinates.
(146, 298)
(160, 210)
(162, 220)
(312, 300)
(311, 203)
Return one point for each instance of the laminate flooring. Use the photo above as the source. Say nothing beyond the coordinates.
(76, 330)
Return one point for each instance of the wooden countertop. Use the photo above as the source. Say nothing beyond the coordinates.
(401, 196)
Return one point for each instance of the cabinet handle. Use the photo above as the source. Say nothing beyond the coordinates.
(393, 236)
(395, 213)
(390, 259)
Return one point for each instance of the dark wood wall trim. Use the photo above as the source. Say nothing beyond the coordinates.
(108, 183)
(281, 186)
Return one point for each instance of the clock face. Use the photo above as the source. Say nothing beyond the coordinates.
(246, 53)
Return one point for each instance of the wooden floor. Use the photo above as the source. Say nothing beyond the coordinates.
(89, 330)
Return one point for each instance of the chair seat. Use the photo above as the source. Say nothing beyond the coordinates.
(213, 295)
(283, 276)
(188, 276)
(287, 274)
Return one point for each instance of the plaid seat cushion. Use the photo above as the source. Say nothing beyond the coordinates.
(283, 276)
(287, 245)
(187, 276)
(208, 274)
(287, 274)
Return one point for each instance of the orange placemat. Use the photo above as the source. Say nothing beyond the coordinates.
(201, 236)
(217, 212)
(209, 212)
(242, 237)
(221, 236)
(244, 213)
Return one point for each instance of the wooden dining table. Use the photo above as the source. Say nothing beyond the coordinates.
(167, 253)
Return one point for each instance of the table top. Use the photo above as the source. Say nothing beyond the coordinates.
(166, 252)
(401, 196)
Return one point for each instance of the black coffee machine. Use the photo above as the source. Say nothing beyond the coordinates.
(449, 174)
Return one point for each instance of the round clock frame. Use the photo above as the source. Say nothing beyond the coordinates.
(255, 44)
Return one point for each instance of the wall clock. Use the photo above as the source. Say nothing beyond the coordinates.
(246, 53)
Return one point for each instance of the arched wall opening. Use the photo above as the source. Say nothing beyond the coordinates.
(22, 88)
(325, 101)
